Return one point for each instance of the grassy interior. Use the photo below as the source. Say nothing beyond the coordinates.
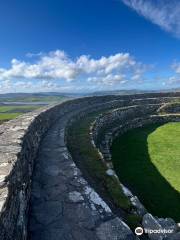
(147, 160)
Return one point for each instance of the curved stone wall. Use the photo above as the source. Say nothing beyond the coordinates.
(19, 143)
(116, 122)
(173, 107)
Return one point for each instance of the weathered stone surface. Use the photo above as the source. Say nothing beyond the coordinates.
(126, 191)
(75, 197)
(139, 207)
(53, 187)
(167, 223)
(175, 236)
(47, 212)
(114, 230)
(110, 172)
(151, 223)
(95, 200)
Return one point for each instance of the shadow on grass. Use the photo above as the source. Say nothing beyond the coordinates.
(136, 171)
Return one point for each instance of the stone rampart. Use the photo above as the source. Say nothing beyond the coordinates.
(115, 123)
(19, 143)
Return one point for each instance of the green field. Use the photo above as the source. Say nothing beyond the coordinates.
(147, 160)
(8, 116)
(5, 109)
(34, 99)
(11, 112)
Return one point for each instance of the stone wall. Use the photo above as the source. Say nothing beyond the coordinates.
(121, 116)
(173, 107)
(19, 143)
(115, 123)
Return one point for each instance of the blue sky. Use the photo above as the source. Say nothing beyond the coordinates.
(90, 45)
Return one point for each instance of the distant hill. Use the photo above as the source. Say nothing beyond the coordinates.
(21, 95)
(115, 92)
(32, 97)
(129, 92)
(58, 96)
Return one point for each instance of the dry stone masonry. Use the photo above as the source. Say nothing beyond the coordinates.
(43, 195)
(116, 122)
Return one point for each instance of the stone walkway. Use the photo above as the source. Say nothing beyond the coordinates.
(63, 206)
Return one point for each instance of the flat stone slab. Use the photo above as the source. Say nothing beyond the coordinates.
(114, 229)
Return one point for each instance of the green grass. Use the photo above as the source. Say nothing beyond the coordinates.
(14, 108)
(11, 112)
(34, 99)
(147, 160)
(8, 116)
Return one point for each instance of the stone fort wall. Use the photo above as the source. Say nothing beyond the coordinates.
(116, 122)
(19, 143)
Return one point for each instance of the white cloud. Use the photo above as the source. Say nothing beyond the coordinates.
(174, 79)
(136, 77)
(110, 79)
(164, 13)
(57, 65)
(31, 55)
(31, 86)
(57, 71)
(5, 86)
(105, 64)
(54, 65)
(176, 67)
